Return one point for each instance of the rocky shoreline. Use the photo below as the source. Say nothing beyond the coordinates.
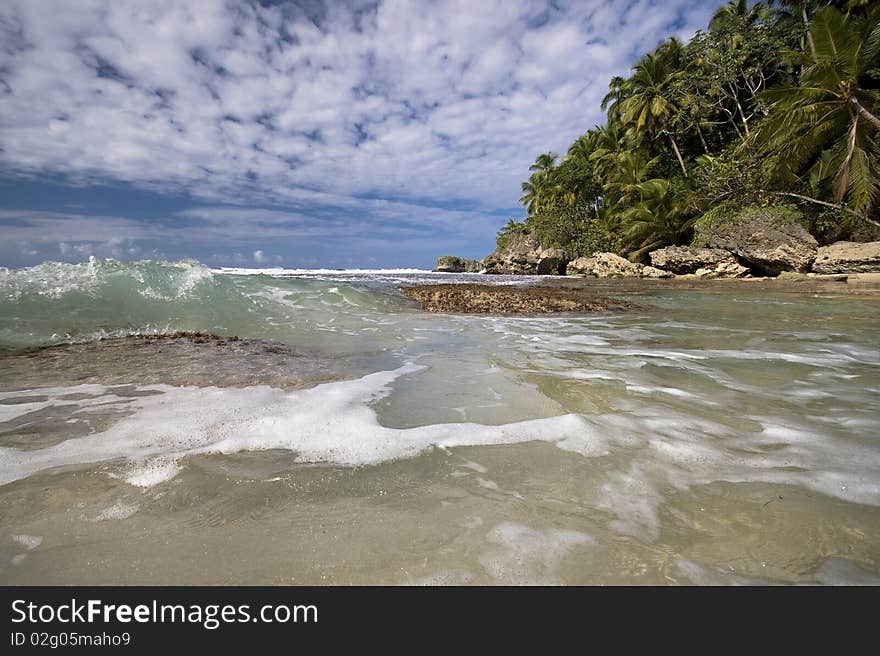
(762, 246)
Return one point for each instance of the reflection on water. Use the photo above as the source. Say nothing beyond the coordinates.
(705, 438)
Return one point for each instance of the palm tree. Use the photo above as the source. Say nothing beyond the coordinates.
(611, 143)
(649, 108)
(545, 162)
(630, 170)
(616, 93)
(830, 111)
(539, 189)
(658, 218)
(733, 12)
(583, 147)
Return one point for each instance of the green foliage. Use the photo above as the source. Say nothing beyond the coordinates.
(776, 101)
(728, 214)
(824, 128)
(510, 231)
(577, 230)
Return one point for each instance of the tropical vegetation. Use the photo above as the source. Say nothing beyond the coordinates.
(773, 104)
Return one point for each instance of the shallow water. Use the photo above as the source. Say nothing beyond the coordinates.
(719, 438)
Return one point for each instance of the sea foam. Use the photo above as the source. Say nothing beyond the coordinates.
(330, 423)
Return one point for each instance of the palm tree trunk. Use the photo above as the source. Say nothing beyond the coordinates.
(864, 113)
(677, 154)
(809, 34)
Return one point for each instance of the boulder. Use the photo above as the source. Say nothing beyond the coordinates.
(581, 266)
(687, 259)
(769, 240)
(453, 264)
(524, 254)
(654, 272)
(723, 270)
(604, 265)
(848, 257)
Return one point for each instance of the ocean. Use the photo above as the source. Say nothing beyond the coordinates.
(347, 437)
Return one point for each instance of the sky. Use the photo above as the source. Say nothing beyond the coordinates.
(298, 134)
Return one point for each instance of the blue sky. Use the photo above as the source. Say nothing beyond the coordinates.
(295, 134)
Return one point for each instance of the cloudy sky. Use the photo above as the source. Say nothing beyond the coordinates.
(296, 134)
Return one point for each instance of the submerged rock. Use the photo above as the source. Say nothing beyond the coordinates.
(494, 299)
(179, 358)
(791, 276)
(687, 259)
(848, 257)
(524, 254)
(453, 264)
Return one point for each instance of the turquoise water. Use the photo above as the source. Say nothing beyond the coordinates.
(706, 437)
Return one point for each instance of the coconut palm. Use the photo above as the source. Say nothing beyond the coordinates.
(538, 188)
(630, 170)
(656, 219)
(544, 163)
(649, 108)
(617, 91)
(830, 111)
(735, 11)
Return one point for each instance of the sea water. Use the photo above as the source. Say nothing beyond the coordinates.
(347, 437)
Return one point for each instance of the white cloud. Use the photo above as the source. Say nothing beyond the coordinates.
(235, 102)
(393, 130)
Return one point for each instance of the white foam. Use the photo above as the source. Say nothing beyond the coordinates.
(331, 423)
(280, 271)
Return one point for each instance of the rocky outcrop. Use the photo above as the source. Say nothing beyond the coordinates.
(505, 299)
(848, 257)
(604, 265)
(769, 240)
(654, 272)
(687, 259)
(453, 264)
(524, 254)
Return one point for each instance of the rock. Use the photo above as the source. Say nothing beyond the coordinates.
(829, 277)
(731, 269)
(505, 299)
(848, 257)
(769, 240)
(605, 265)
(791, 276)
(687, 259)
(581, 266)
(551, 262)
(453, 264)
(524, 255)
(654, 272)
